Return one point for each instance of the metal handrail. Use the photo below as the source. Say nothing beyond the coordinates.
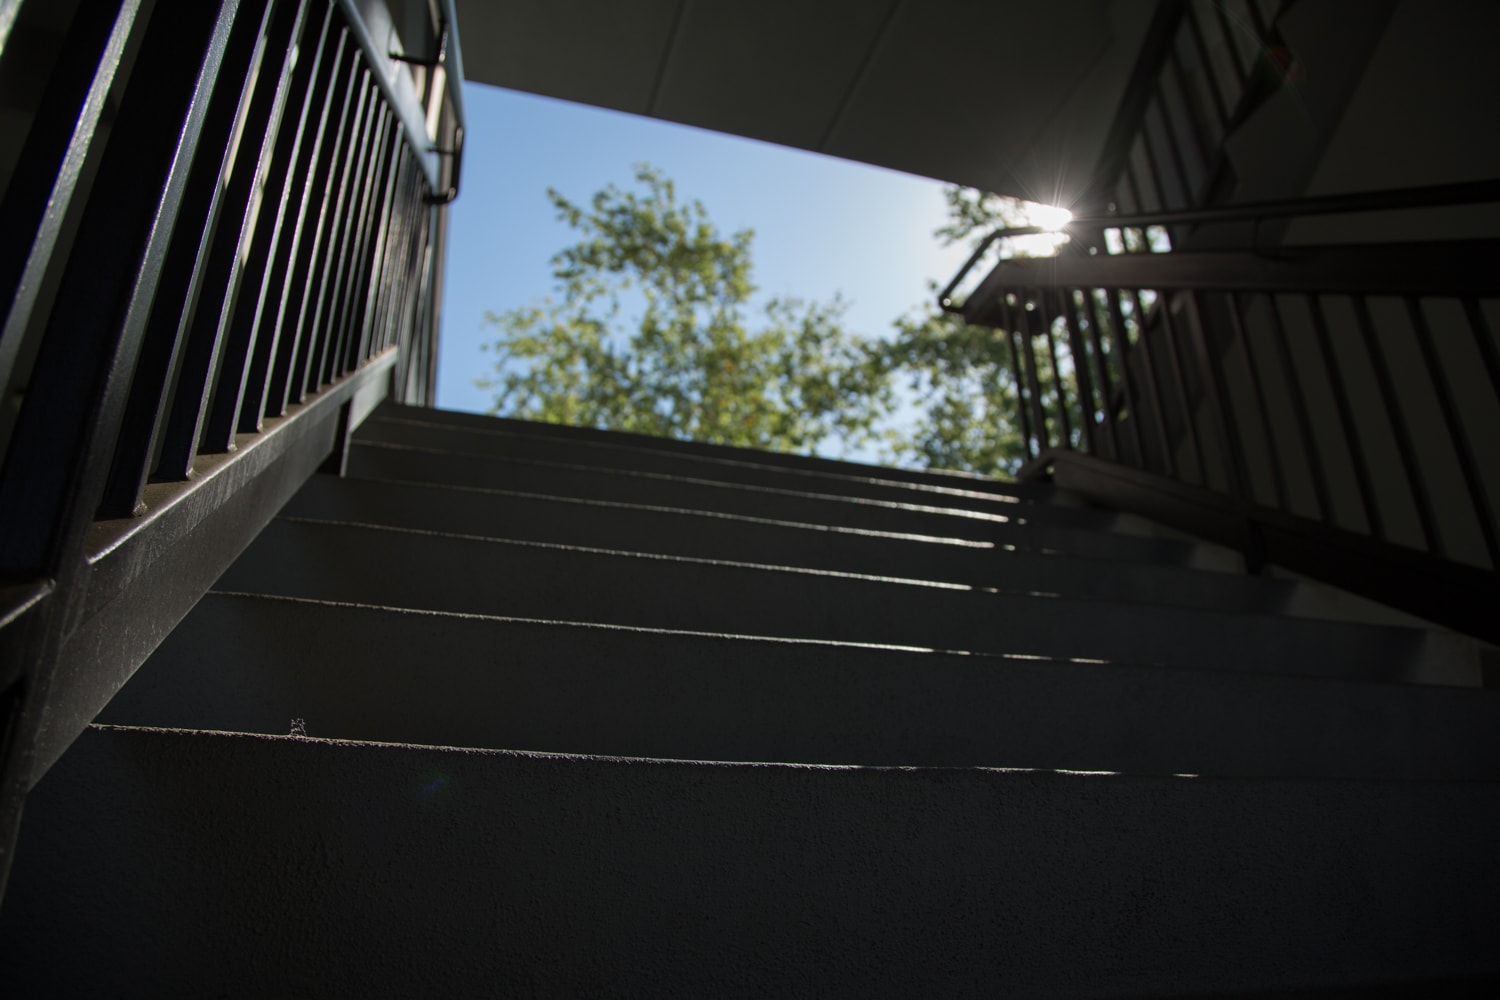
(407, 110)
(451, 58)
(1430, 196)
(1140, 408)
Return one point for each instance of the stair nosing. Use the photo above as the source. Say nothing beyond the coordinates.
(739, 463)
(695, 481)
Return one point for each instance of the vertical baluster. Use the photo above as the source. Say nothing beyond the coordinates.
(300, 154)
(62, 447)
(1392, 404)
(1258, 397)
(387, 289)
(1218, 400)
(308, 232)
(423, 314)
(1479, 329)
(374, 272)
(1022, 404)
(1174, 148)
(327, 317)
(1106, 384)
(182, 274)
(1148, 369)
(428, 298)
(1146, 232)
(1346, 417)
(346, 316)
(388, 157)
(1457, 433)
(366, 289)
(1033, 375)
(198, 371)
(437, 258)
(313, 295)
(1081, 373)
(1059, 387)
(1179, 380)
(63, 136)
(1153, 168)
(417, 212)
(259, 235)
(1299, 409)
(1204, 141)
(1127, 380)
(1195, 32)
(1122, 203)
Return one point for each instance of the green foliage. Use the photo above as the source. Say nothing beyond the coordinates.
(685, 363)
(973, 214)
(959, 378)
(649, 330)
(960, 382)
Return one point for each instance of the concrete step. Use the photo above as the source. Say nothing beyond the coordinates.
(838, 468)
(210, 864)
(632, 527)
(744, 468)
(401, 463)
(347, 672)
(462, 573)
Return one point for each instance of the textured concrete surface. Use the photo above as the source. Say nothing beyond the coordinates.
(405, 464)
(218, 865)
(252, 664)
(458, 573)
(707, 535)
(457, 419)
(994, 496)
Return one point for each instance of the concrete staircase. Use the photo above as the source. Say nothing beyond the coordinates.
(525, 710)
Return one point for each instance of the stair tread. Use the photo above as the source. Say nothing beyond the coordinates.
(336, 561)
(461, 420)
(415, 465)
(523, 516)
(373, 869)
(614, 690)
(504, 443)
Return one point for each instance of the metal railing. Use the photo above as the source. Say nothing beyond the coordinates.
(1203, 69)
(1352, 387)
(223, 247)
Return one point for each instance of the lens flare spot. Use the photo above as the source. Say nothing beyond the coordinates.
(1047, 216)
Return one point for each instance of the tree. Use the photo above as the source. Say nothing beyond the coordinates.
(960, 383)
(961, 378)
(649, 333)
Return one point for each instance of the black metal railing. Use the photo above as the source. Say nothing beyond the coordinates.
(223, 243)
(1354, 386)
(1203, 69)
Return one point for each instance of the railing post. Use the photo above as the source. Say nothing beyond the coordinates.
(1345, 415)
(1085, 381)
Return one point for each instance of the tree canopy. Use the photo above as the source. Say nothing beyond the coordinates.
(651, 329)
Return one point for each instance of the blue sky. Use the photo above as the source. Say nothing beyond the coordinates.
(822, 225)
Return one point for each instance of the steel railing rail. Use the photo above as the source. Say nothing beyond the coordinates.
(401, 95)
(1430, 196)
(1288, 400)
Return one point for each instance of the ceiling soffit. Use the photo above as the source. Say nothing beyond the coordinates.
(1007, 95)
